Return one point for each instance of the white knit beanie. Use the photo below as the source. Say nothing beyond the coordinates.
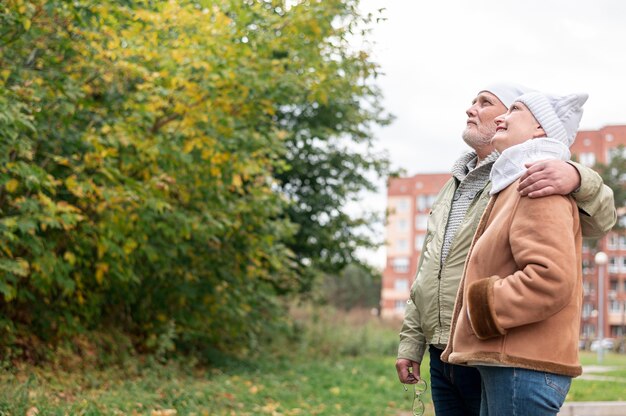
(506, 92)
(558, 115)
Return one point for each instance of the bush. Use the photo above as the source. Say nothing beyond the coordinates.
(139, 166)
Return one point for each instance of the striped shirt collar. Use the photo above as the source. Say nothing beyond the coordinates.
(466, 164)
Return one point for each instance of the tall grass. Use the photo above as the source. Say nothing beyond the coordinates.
(323, 331)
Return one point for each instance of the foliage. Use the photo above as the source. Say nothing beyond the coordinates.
(322, 331)
(614, 176)
(356, 286)
(148, 160)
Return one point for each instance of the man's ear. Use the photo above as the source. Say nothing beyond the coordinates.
(539, 132)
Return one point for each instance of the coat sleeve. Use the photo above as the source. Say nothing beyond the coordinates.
(595, 203)
(542, 238)
(412, 341)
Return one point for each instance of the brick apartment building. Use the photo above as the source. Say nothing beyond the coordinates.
(409, 201)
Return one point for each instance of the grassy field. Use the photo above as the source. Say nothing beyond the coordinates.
(349, 386)
(340, 366)
(612, 389)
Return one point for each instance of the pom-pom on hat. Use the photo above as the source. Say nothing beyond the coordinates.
(558, 115)
(506, 92)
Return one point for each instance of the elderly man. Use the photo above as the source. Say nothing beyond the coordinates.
(456, 390)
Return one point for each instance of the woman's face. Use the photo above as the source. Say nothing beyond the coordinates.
(515, 127)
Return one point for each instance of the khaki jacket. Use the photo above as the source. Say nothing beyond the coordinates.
(429, 310)
(520, 297)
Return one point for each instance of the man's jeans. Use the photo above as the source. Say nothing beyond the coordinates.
(520, 392)
(456, 389)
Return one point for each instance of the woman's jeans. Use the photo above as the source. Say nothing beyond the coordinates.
(455, 388)
(519, 392)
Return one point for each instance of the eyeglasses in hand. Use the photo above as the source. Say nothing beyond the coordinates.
(419, 388)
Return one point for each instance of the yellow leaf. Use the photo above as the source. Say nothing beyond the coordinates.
(101, 269)
(12, 185)
(206, 154)
(26, 24)
(237, 181)
(73, 186)
(188, 146)
(130, 246)
(70, 257)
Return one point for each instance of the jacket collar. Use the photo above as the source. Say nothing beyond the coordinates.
(466, 164)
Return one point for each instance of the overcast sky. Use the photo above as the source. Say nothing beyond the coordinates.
(436, 55)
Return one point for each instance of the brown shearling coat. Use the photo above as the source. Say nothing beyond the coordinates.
(519, 301)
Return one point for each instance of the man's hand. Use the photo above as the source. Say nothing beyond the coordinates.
(408, 371)
(549, 177)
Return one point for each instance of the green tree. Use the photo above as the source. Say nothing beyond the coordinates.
(150, 154)
(614, 176)
(356, 286)
(329, 141)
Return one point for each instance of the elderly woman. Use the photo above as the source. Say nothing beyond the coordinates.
(517, 311)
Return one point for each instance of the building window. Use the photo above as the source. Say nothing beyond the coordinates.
(400, 264)
(613, 241)
(402, 225)
(400, 306)
(587, 309)
(401, 285)
(421, 221)
(420, 202)
(588, 159)
(424, 202)
(615, 151)
(615, 307)
(622, 241)
(613, 264)
(402, 205)
(419, 241)
(587, 142)
(591, 287)
(623, 265)
(402, 245)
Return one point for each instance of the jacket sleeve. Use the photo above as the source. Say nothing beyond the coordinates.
(595, 203)
(412, 341)
(543, 244)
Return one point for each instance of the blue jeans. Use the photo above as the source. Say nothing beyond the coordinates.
(456, 389)
(520, 392)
